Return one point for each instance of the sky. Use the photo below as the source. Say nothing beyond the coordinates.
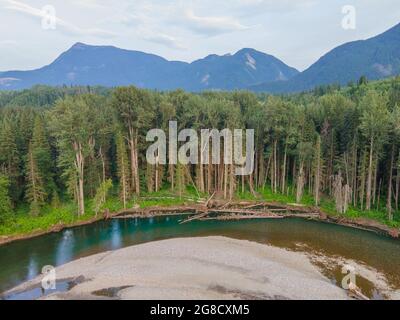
(33, 33)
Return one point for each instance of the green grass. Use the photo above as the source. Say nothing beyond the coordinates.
(23, 223)
(326, 205)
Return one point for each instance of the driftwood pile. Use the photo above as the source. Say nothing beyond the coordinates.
(223, 210)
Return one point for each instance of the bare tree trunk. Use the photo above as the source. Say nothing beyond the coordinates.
(261, 168)
(338, 192)
(209, 174)
(135, 183)
(375, 181)
(317, 176)
(225, 181)
(283, 183)
(396, 198)
(201, 182)
(256, 173)
(156, 182)
(124, 186)
(251, 184)
(369, 179)
(362, 179)
(137, 180)
(275, 177)
(354, 183)
(171, 170)
(273, 169)
(300, 183)
(231, 181)
(157, 173)
(103, 164)
(389, 195)
(346, 197)
(131, 144)
(79, 165)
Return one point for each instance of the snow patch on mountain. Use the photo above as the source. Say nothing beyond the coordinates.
(251, 62)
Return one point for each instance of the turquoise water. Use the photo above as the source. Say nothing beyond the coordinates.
(23, 260)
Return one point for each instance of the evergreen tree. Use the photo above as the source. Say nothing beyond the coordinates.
(41, 154)
(9, 157)
(35, 194)
(5, 202)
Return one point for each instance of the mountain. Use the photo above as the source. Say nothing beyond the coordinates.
(98, 65)
(110, 66)
(235, 71)
(376, 58)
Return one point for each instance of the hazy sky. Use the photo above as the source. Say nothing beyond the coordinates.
(295, 31)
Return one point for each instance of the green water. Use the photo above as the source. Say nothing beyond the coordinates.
(23, 260)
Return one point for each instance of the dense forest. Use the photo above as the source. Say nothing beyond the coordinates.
(80, 144)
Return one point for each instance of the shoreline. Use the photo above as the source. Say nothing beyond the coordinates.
(366, 224)
(225, 269)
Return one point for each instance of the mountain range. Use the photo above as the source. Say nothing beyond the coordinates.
(82, 64)
(110, 66)
(376, 58)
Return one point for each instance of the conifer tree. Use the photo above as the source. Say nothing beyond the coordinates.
(5, 201)
(35, 193)
(41, 153)
(9, 157)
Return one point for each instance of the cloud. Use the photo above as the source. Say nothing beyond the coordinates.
(8, 43)
(7, 81)
(211, 26)
(163, 39)
(146, 28)
(254, 8)
(174, 16)
(90, 3)
(273, 5)
(64, 25)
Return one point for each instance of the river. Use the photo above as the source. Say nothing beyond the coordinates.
(23, 260)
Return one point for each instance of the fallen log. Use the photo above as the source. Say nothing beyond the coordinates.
(226, 204)
(196, 217)
(240, 217)
(355, 292)
(254, 206)
(209, 199)
(244, 212)
(301, 215)
(150, 215)
(162, 210)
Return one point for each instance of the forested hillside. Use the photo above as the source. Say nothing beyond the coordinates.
(78, 147)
